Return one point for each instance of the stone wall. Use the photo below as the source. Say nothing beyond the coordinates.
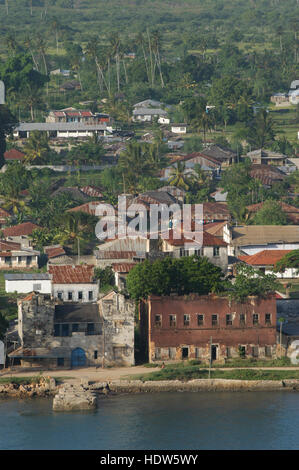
(118, 322)
(36, 321)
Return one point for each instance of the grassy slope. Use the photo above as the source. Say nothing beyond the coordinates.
(192, 370)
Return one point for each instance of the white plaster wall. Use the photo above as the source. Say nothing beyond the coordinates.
(75, 289)
(26, 286)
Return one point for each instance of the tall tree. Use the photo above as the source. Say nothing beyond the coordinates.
(7, 123)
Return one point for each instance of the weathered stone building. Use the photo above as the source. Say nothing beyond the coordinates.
(189, 327)
(53, 334)
(117, 313)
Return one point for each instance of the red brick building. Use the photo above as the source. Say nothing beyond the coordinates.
(193, 326)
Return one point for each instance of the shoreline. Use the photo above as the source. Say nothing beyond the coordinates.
(49, 389)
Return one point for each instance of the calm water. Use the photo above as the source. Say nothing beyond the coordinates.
(217, 420)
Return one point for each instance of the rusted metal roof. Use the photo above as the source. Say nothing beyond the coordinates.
(123, 267)
(72, 274)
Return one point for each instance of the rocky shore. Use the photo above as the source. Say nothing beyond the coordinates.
(45, 387)
(85, 396)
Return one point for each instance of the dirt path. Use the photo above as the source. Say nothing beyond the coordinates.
(74, 376)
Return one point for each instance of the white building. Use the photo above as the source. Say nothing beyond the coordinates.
(23, 283)
(179, 128)
(62, 129)
(74, 283)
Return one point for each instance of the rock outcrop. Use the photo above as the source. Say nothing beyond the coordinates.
(75, 398)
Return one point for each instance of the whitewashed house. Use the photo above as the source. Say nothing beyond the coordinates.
(23, 283)
(266, 260)
(74, 283)
(179, 128)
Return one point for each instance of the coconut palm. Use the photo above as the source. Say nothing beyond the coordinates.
(37, 146)
(178, 176)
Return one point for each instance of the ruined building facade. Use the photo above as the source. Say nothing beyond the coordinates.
(53, 334)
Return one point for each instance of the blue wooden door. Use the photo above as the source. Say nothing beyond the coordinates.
(78, 358)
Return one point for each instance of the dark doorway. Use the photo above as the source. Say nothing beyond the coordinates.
(214, 352)
(78, 358)
(185, 353)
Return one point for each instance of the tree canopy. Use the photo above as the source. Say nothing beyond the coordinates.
(174, 275)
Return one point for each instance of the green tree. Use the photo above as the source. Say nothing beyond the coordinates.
(3, 326)
(261, 133)
(252, 282)
(134, 163)
(37, 147)
(7, 123)
(290, 260)
(180, 275)
(271, 213)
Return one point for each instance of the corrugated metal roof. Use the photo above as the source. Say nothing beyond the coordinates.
(59, 126)
(27, 277)
(72, 274)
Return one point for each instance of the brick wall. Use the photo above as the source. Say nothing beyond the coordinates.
(167, 342)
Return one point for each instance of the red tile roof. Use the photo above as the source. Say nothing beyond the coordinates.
(264, 258)
(4, 214)
(266, 174)
(9, 246)
(207, 239)
(22, 229)
(123, 267)
(54, 251)
(72, 274)
(88, 208)
(14, 154)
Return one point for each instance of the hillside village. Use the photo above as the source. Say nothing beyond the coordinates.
(81, 128)
(74, 307)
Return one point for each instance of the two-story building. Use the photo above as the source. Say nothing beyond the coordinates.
(207, 327)
(74, 283)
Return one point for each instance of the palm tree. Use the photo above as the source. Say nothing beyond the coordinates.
(156, 44)
(32, 97)
(74, 231)
(141, 42)
(203, 121)
(92, 50)
(134, 163)
(178, 176)
(42, 46)
(115, 51)
(28, 44)
(55, 28)
(37, 146)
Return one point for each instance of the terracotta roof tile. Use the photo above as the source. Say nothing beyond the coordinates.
(264, 258)
(88, 208)
(54, 251)
(14, 154)
(22, 229)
